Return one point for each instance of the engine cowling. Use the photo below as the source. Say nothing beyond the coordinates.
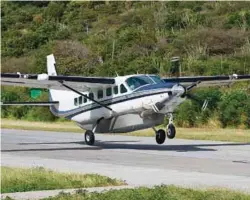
(176, 91)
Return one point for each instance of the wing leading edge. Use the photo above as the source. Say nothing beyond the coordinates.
(209, 80)
(55, 82)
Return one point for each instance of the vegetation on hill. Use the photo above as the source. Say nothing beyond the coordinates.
(102, 38)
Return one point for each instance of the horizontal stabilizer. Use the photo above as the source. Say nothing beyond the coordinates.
(29, 103)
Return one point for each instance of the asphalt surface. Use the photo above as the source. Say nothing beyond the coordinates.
(137, 160)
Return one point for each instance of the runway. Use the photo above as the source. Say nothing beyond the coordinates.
(137, 160)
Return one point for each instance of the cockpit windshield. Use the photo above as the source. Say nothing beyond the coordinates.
(138, 81)
(156, 78)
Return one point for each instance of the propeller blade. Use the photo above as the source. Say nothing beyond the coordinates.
(193, 85)
(201, 102)
(192, 97)
(205, 104)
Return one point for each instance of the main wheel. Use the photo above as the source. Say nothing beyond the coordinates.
(89, 137)
(160, 136)
(171, 131)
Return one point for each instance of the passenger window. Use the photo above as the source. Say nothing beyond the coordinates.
(76, 101)
(80, 100)
(116, 90)
(84, 100)
(108, 92)
(123, 89)
(100, 94)
(91, 95)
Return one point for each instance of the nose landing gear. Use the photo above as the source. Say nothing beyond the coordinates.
(171, 128)
(171, 131)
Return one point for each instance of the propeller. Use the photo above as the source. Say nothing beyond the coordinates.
(176, 91)
(199, 101)
(192, 86)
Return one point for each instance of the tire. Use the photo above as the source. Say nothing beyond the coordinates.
(160, 136)
(89, 137)
(171, 131)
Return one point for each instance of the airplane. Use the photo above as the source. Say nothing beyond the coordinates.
(114, 104)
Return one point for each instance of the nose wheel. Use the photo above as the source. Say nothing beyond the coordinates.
(89, 137)
(170, 128)
(160, 136)
(171, 131)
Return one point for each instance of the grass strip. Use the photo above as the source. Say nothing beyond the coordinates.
(42, 126)
(22, 180)
(215, 134)
(157, 193)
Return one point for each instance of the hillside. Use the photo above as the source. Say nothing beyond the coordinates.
(102, 38)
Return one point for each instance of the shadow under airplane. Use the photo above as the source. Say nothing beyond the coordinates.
(122, 145)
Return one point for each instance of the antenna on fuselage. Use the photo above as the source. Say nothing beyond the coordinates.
(117, 74)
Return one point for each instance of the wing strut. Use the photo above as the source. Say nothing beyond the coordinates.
(72, 89)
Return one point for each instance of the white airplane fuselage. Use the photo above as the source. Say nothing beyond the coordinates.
(132, 109)
(115, 105)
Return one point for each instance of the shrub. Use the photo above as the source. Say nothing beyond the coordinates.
(54, 11)
(189, 113)
(234, 109)
(14, 94)
(239, 19)
(186, 114)
(37, 113)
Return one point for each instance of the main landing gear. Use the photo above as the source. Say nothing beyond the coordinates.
(89, 137)
(89, 134)
(160, 135)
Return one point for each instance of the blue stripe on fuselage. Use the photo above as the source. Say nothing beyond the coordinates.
(141, 89)
(155, 86)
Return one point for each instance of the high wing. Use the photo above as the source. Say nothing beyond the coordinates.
(203, 81)
(55, 82)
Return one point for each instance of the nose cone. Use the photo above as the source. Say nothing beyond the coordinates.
(178, 90)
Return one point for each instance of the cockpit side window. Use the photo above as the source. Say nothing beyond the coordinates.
(123, 89)
(138, 81)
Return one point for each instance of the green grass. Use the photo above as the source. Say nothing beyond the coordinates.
(43, 126)
(21, 180)
(216, 134)
(157, 193)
